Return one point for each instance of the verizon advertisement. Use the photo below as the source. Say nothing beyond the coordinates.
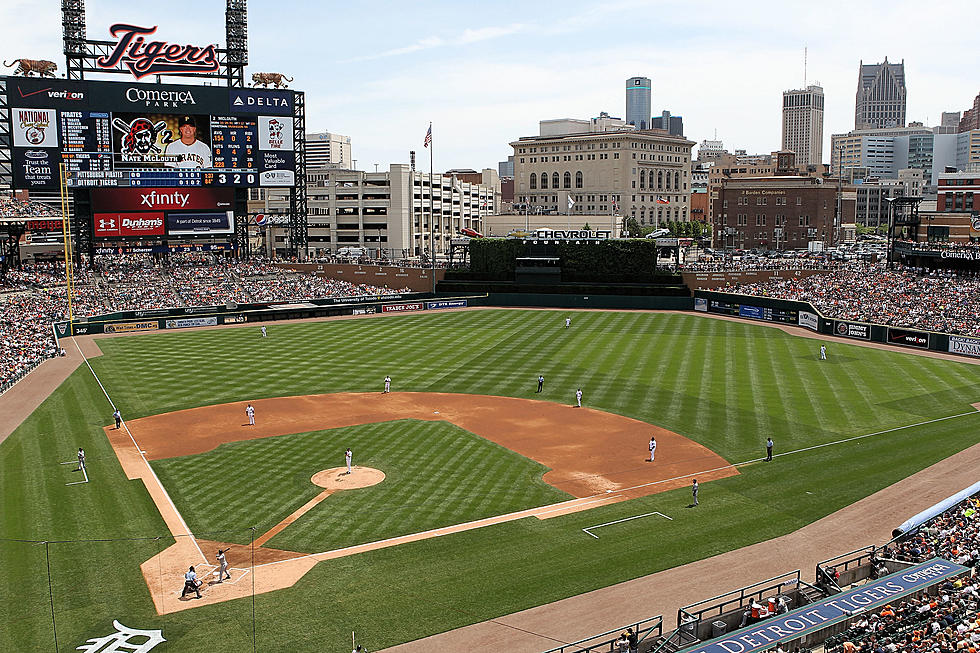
(124, 200)
(126, 225)
(908, 338)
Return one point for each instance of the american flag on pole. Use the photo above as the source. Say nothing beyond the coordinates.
(428, 137)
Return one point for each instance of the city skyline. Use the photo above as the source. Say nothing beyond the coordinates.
(484, 81)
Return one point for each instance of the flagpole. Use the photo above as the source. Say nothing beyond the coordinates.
(432, 217)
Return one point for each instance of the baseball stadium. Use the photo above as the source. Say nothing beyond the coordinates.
(215, 433)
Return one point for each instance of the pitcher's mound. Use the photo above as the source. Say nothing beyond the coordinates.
(337, 478)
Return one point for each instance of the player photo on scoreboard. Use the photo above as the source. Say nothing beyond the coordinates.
(142, 140)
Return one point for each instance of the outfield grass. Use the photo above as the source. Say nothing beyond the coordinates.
(724, 384)
(436, 474)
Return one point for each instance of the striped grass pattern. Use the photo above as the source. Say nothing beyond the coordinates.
(436, 474)
(724, 384)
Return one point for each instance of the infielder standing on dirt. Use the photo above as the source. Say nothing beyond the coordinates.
(387, 384)
(653, 447)
(250, 412)
(347, 457)
(116, 415)
(578, 397)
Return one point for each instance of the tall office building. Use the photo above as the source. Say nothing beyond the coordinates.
(326, 150)
(638, 105)
(803, 124)
(674, 125)
(880, 99)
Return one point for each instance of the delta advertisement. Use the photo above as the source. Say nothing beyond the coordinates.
(965, 346)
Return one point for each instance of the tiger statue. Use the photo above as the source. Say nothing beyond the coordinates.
(276, 79)
(27, 67)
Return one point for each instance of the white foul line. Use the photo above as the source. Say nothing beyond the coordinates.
(142, 453)
(619, 521)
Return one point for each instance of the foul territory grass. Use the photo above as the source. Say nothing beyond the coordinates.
(725, 384)
(436, 474)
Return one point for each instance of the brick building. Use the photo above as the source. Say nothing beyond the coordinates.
(777, 213)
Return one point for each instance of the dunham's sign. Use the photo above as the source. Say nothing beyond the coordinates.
(823, 614)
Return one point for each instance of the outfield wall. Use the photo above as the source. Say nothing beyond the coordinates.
(164, 319)
(768, 309)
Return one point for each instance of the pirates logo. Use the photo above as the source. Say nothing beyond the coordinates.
(140, 136)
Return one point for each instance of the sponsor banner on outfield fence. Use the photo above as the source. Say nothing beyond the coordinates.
(967, 346)
(235, 319)
(192, 322)
(368, 310)
(808, 320)
(399, 308)
(755, 312)
(452, 303)
(853, 330)
(701, 304)
(129, 327)
(908, 338)
(836, 609)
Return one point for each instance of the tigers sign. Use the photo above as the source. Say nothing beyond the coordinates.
(144, 58)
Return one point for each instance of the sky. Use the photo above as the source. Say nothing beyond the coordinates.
(484, 74)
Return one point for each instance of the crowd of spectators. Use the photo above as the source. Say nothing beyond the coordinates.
(11, 207)
(946, 622)
(36, 295)
(904, 297)
(759, 263)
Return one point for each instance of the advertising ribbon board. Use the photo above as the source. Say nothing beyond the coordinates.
(130, 327)
(808, 320)
(853, 330)
(753, 312)
(192, 322)
(967, 346)
(454, 303)
(824, 614)
(908, 338)
(399, 308)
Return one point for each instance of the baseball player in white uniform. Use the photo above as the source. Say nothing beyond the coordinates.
(347, 458)
(568, 322)
(823, 352)
(264, 334)
(222, 566)
(578, 397)
(81, 459)
(653, 447)
(250, 412)
(387, 383)
(694, 491)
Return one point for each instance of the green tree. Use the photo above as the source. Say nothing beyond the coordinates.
(633, 227)
(586, 227)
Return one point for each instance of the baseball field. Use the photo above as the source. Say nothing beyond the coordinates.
(469, 490)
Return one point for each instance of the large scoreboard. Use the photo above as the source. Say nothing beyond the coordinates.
(113, 134)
